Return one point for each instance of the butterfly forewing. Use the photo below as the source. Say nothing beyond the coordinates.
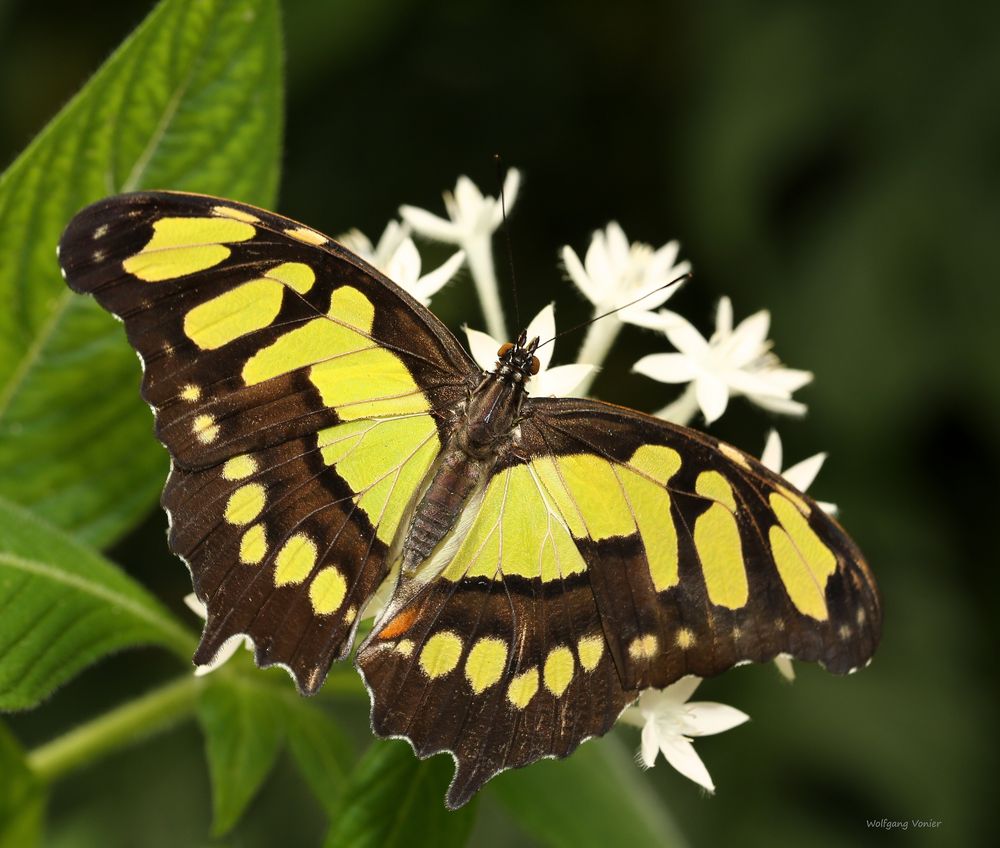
(299, 394)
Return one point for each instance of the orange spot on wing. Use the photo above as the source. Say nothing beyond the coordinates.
(399, 625)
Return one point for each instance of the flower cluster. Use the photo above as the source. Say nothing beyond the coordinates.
(631, 281)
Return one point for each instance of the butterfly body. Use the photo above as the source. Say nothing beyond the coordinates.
(552, 556)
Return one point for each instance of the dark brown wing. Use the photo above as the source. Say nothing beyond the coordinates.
(610, 552)
(300, 395)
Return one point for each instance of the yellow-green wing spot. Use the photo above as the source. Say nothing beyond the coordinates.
(485, 664)
(516, 531)
(804, 563)
(182, 246)
(383, 461)
(352, 372)
(440, 654)
(600, 499)
(248, 307)
(717, 540)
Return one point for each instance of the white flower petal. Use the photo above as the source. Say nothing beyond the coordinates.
(468, 197)
(780, 405)
(771, 456)
(679, 691)
(650, 746)
(706, 718)
(790, 379)
(598, 265)
(403, 267)
(667, 367)
(357, 242)
(713, 396)
(197, 607)
(223, 655)
(561, 381)
(752, 383)
(802, 474)
(511, 186)
(574, 267)
(483, 348)
(644, 318)
(828, 508)
(429, 225)
(683, 335)
(392, 237)
(543, 325)
(658, 290)
(617, 245)
(724, 317)
(431, 283)
(748, 341)
(680, 753)
(783, 662)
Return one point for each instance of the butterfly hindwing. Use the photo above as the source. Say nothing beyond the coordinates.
(610, 552)
(502, 659)
(299, 394)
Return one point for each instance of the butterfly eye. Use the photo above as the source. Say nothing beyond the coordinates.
(535, 365)
(505, 348)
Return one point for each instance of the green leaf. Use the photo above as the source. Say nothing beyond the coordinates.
(394, 800)
(63, 606)
(321, 751)
(597, 796)
(243, 723)
(191, 101)
(22, 798)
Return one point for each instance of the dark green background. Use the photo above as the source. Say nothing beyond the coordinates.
(837, 164)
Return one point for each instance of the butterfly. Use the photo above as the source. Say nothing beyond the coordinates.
(549, 558)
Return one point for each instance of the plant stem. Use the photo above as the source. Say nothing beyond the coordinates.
(683, 410)
(600, 337)
(153, 712)
(479, 254)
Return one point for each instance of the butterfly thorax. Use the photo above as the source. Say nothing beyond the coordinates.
(484, 432)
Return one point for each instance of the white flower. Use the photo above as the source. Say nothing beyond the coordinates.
(615, 273)
(397, 257)
(229, 647)
(732, 362)
(472, 220)
(561, 381)
(668, 722)
(800, 475)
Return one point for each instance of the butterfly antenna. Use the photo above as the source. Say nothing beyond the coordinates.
(501, 174)
(676, 281)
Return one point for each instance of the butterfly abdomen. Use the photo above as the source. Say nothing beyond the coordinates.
(457, 476)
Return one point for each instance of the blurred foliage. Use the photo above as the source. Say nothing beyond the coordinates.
(835, 163)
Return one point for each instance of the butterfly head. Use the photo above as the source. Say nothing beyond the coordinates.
(516, 360)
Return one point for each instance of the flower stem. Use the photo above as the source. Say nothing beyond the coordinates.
(480, 258)
(681, 411)
(600, 336)
(153, 712)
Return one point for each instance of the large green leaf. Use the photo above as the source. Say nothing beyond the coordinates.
(22, 798)
(597, 797)
(192, 101)
(321, 751)
(394, 800)
(243, 722)
(63, 606)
